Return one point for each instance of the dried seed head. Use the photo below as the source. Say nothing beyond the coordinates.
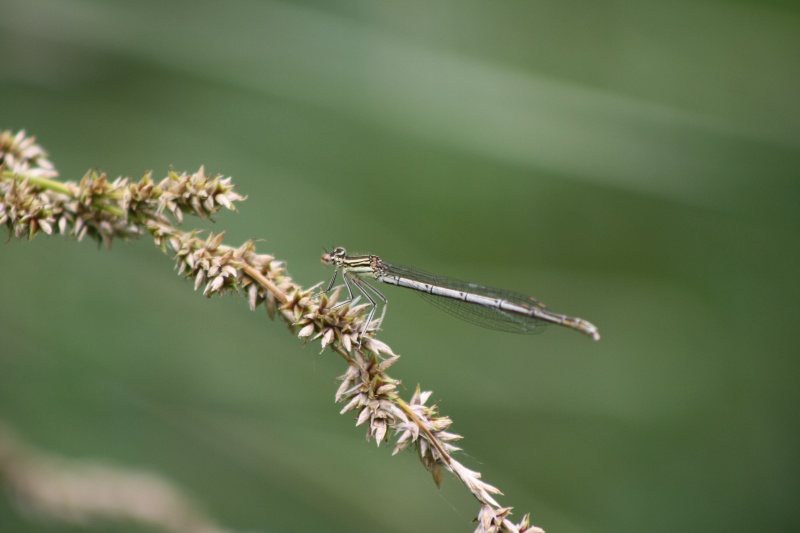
(21, 155)
(30, 202)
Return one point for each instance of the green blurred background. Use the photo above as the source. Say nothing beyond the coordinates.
(635, 163)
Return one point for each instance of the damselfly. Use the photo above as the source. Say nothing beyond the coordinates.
(485, 306)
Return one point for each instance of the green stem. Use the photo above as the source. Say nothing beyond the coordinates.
(44, 183)
(60, 187)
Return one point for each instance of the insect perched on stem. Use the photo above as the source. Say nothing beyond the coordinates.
(485, 306)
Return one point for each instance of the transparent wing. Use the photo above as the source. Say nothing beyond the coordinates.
(476, 314)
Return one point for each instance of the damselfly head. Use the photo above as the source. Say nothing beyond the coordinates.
(334, 257)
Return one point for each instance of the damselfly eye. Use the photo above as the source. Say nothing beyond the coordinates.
(339, 251)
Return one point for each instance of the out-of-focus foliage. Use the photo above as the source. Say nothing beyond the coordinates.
(634, 163)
